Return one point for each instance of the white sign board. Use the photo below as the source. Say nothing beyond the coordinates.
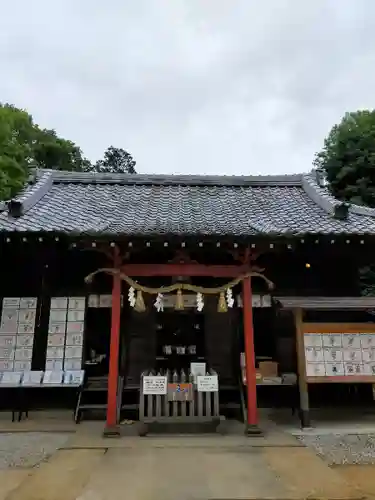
(28, 302)
(21, 366)
(93, 301)
(59, 302)
(74, 339)
(197, 369)
(75, 327)
(11, 378)
(208, 383)
(32, 378)
(74, 377)
(105, 300)
(54, 364)
(76, 315)
(23, 354)
(77, 303)
(53, 377)
(154, 385)
(72, 364)
(11, 302)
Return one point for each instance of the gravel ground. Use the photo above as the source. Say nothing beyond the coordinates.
(27, 449)
(342, 449)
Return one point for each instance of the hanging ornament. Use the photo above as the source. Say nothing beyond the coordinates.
(159, 304)
(139, 302)
(167, 349)
(222, 304)
(230, 299)
(239, 301)
(192, 350)
(179, 301)
(200, 302)
(131, 297)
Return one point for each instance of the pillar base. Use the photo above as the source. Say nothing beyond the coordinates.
(304, 416)
(111, 431)
(252, 430)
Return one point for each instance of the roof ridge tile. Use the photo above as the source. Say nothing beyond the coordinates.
(60, 176)
(40, 184)
(325, 200)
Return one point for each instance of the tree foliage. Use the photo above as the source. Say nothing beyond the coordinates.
(16, 143)
(50, 151)
(348, 162)
(23, 145)
(116, 160)
(348, 158)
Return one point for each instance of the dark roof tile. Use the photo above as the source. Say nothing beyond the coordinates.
(115, 204)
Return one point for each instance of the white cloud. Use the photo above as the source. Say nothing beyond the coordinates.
(193, 86)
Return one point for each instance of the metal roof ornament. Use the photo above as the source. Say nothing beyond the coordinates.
(341, 211)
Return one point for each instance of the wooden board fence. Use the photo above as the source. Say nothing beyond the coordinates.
(182, 403)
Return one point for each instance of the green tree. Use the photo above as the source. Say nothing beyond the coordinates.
(116, 160)
(50, 151)
(348, 158)
(348, 162)
(16, 141)
(23, 145)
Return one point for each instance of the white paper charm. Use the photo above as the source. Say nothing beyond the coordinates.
(131, 296)
(200, 302)
(159, 304)
(229, 297)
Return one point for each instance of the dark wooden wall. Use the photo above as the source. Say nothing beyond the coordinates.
(140, 342)
(220, 335)
(52, 269)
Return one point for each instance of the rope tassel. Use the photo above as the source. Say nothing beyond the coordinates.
(139, 302)
(179, 301)
(178, 286)
(222, 304)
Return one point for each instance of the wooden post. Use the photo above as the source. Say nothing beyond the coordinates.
(251, 385)
(304, 411)
(111, 424)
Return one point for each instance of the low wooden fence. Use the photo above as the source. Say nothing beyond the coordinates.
(182, 403)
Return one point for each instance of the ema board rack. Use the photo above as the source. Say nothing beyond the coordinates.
(65, 333)
(339, 353)
(17, 330)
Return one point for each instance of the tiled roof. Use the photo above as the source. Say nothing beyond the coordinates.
(117, 204)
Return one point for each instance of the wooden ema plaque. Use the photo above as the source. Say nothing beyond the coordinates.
(180, 392)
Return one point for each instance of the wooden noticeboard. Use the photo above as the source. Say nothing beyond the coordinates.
(339, 352)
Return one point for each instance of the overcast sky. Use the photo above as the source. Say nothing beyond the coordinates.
(191, 86)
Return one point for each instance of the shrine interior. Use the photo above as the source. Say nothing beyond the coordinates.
(171, 339)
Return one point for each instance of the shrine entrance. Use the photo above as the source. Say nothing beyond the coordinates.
(180, 339)
(239, 274)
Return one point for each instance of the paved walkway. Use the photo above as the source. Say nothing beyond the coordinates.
(361, 476)
(90, 467)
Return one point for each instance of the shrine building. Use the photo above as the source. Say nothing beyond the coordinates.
(256, 278)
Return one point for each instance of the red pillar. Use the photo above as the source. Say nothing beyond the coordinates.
(251, 387)
(111, 424)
